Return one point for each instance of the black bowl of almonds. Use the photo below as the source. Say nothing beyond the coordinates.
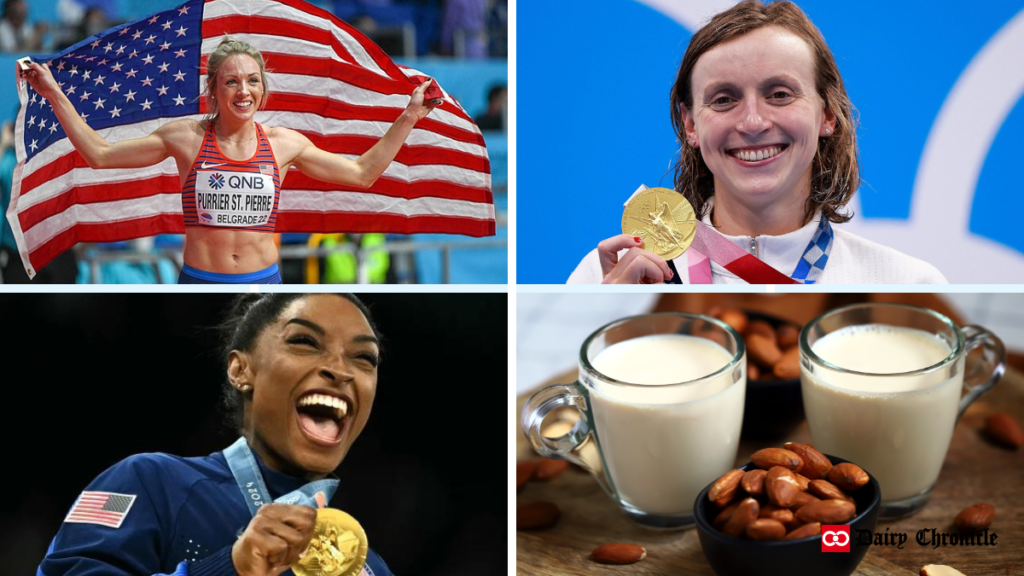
(766, 517)
(774, 403)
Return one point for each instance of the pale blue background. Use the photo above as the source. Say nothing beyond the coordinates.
(593, 116)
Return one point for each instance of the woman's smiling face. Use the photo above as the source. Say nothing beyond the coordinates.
(239, 90)
(313, 373)
(757, 115)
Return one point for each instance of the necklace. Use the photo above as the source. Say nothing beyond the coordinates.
(235, 142)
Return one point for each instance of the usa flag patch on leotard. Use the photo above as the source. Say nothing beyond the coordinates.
(103, 508)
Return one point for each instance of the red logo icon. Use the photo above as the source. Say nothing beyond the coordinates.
(835, 538)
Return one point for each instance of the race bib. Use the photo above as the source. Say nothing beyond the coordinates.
(238, 199)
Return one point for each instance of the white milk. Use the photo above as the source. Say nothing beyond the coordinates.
(896, 427)
(663, 444)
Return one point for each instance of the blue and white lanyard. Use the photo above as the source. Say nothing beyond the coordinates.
(812, 263)
(247, 474)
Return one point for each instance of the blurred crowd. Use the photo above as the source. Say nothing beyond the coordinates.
(467, 29)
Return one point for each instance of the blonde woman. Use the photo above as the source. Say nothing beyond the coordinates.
(768, 158)
(229, 239)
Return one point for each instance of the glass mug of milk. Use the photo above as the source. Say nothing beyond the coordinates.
(661, 405)
(883, 387)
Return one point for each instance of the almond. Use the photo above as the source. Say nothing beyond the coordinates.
(618, 553)
(974, 518)
(724, 489)
(848, 476)
(752, 372)
(781, 487)
(1005, 430)
(765, 529)
(827, 512)
(802, 481)
(753, 482)
(745, 513)
(762, 350)
(768, 457)
(734, 318)
(524, 471)
(724, 515)
(788, 366)
(763, 328)
(812, 529)
(548, 469)
(828, 491)
(535, 515)
(816, 465)
(772, 511)
(793, 524)
(939, 570)
(803, 499)
(788, 336)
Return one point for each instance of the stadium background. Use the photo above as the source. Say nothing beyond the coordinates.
(938, 86)
(413, 33)
(94, 378)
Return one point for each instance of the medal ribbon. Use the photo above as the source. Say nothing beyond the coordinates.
(246, 471)
(708, 245)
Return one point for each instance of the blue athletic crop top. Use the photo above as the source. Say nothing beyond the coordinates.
(224, 193)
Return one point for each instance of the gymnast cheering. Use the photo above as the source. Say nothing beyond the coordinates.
(301, 380)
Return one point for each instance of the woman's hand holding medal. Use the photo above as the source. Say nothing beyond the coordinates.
(637, 266)
(329, 542)
(274, 540)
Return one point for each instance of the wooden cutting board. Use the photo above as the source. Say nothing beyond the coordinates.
(975, 471)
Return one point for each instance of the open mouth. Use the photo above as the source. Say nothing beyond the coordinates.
(758, 156)
(243, 106)
(323, 417)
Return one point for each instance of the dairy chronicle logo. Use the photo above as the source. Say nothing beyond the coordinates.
(835, 538)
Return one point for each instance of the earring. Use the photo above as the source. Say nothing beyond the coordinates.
(828, 131)
(243, 388)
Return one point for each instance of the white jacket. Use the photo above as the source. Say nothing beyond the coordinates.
(853, 260)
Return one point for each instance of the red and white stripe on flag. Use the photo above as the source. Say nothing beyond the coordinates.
(104, 508)
(326, 80)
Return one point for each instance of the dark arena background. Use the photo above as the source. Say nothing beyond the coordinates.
(94, 378)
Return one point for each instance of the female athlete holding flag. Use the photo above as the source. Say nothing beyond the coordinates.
(231, 167)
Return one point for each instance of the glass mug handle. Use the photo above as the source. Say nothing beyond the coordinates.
(984, 375)
(579, 444)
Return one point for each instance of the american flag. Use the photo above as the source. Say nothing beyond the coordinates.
(325, 80)
(105, 508)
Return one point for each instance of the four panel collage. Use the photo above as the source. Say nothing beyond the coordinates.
(369, 199)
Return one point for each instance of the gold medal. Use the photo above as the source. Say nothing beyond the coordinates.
(338, 547)
(663, 219)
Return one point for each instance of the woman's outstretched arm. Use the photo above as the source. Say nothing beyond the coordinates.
(98, 153)
(365, 170)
